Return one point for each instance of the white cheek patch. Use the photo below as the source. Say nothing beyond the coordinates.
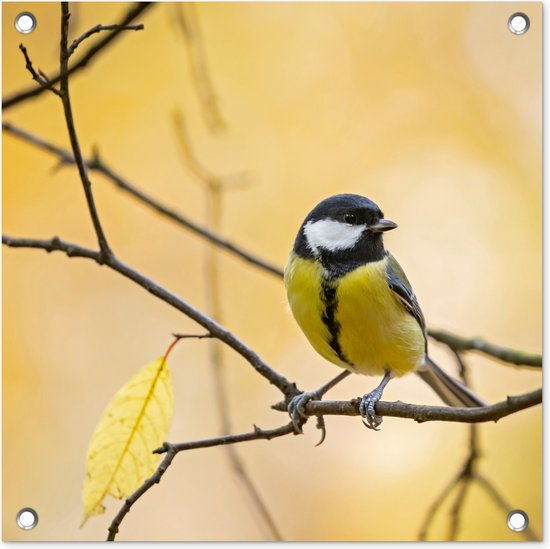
(332, 235)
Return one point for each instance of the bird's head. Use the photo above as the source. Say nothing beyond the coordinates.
(341, 225)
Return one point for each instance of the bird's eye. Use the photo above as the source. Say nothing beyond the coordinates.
(350, 218)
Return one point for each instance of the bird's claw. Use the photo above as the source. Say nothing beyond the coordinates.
(322, 427)
(297, 413)
(297, 410)
(367, 411)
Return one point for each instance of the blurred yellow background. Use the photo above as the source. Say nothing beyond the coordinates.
(431, 110)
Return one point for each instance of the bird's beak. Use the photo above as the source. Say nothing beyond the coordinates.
(382, 226)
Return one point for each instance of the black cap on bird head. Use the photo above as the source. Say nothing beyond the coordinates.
(343, 231)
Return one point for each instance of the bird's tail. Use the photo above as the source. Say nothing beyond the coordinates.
(450, 390)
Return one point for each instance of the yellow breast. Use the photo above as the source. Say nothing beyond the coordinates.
(303, 284)
(374, 330)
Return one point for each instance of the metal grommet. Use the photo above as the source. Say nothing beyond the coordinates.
(27, 518)
(518, 23)
(25, 22)
(517, 520)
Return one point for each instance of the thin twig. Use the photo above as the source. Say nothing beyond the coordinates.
(214, 188)
(20, 96)
(466, 475)
(73, 137)
(99, 28)
(39, 76)
(63, 155)
(462, 479)
(510, 356)
(98, 165)
(435, 506)
(201, 172)
(147, 485)
(457, 507)
(186, 19)
(256, 434)
(73, 250)
(471, 461)
(170, 451)
(495, 495)
(193, 336)
(324, 389)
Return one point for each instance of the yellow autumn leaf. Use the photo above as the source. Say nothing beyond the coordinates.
(135, 422)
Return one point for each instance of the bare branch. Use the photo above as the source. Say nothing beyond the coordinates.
(466, 475)
(186, 19)
(212, 181)
(52, 245)
(98, 165)
(73, 250)
(39, 76)
(422, 413)
(214, 188)
(147, 485)
(99, 46)
(170, 451)
(463, 480)
(99, 28)
(505, 354)
(457, 508)
(193, 336)
(257, 434)
(435, 506)
(75, 145)
(64, 155)
(495, 495)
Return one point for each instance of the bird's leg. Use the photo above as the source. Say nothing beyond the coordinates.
(368, 402)
(297, 405)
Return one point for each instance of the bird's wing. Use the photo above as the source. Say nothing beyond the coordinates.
(401, 287)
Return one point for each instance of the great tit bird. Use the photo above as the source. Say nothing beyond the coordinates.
(355, 305)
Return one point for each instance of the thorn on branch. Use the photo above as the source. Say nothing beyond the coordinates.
(166, 447)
